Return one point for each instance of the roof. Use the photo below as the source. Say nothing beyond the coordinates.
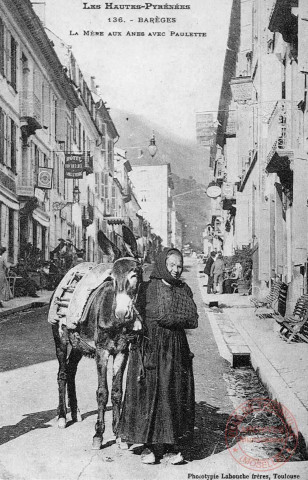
(24, 14)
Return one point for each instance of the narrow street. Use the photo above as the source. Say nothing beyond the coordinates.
(33, 448)
(29, 401)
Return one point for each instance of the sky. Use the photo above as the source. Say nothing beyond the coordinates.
(167, 79)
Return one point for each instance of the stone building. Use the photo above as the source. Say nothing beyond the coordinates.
(263, 140)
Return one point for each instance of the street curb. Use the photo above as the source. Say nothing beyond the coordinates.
(21, 308)
(219, 339)
(273, 381)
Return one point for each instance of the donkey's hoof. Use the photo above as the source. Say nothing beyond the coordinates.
(61, 422)
(97, 443)
(121, 445)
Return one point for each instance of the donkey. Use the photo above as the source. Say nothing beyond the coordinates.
(112, 321)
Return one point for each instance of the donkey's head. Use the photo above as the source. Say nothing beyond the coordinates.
(126, 272)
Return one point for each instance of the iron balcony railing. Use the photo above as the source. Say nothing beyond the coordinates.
(30, 106)
(279, 129)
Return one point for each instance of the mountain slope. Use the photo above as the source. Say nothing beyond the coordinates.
(189, 167)
(185, 157)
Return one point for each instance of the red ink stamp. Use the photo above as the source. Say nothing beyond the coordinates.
(261, 434)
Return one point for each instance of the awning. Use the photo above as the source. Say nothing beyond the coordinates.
(281, 165)
(278, 163)
(41, 217)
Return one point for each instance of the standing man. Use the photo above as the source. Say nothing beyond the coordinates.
(207, 271)
(217, 270)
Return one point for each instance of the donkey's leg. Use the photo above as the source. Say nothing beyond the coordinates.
(119, 365)
(72, 364)
(61, 352)
(101, 396)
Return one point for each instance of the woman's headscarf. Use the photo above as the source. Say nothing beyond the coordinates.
(160, 270)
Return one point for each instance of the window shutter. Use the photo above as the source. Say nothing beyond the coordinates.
(8, 141)
(13, 146)
(13, 63)
(113, 200)
(303, 36)
(2, 46)
(46, 105)
(106, 182)
(60, 120)
(2, 132)
(102, 185)
(96, 183)
(242, 219)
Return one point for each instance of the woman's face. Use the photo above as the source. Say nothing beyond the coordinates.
(174, 265)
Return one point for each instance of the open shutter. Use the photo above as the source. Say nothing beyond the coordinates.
(61, 120)
(303, 36)
(242, 219)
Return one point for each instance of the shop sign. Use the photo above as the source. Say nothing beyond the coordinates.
(74, 165)
(44, 178)
(213, 191)
(39, 194)
(241, 88)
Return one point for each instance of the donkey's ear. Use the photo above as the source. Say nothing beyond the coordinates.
(107, 246)
(130, 241)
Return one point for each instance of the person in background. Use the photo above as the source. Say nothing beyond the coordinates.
(159, 404)
(207, 271)
(4, 286)
(217, 270)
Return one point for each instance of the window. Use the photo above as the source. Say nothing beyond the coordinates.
(13, 63)
(2, 61)
(11, 236)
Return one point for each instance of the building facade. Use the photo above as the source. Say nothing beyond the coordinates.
(153, 185)
(56, 143)
(262, 140)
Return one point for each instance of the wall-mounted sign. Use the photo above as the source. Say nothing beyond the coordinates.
(213, 191)
(228, 190)
(74, 165)
(44, 177)
(39, 194)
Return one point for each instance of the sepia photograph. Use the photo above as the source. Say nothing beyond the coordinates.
(153, 240)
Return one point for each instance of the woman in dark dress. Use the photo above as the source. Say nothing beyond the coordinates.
(159, 404)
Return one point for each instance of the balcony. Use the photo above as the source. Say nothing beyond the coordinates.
(87, 215)
(280, 146)
(88, 164)
(280, 134)
(30, 111)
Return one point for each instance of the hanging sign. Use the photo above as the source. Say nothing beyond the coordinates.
(213, 191)
(227, 190)
(39, 194)
(44, 177)
(74, 165)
